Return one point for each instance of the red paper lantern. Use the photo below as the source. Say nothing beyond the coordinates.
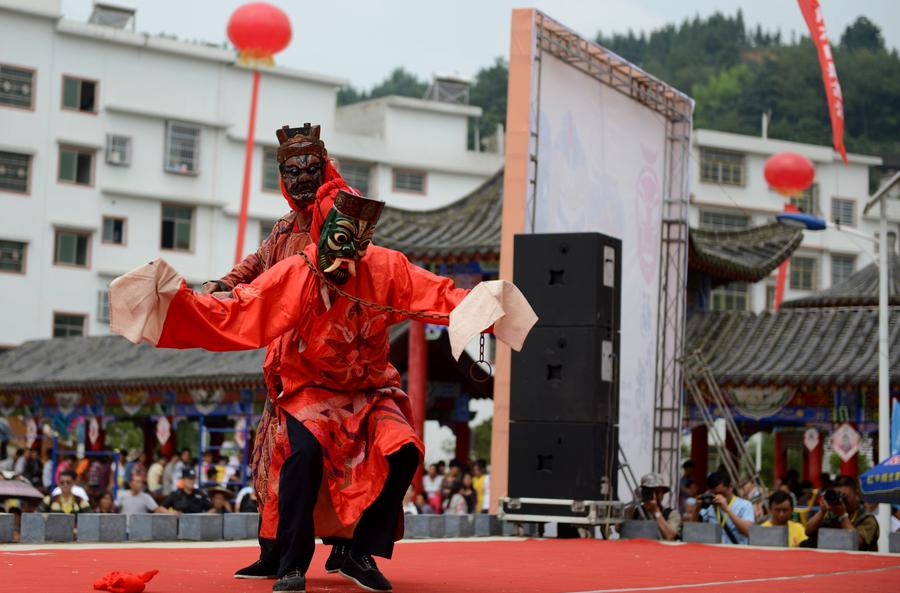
(259, 31)
(789, 173)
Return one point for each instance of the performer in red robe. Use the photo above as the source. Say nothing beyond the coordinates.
(345, 449)
(304, 167)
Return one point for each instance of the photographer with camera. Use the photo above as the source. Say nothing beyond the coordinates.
(781, 507)
(840, 508)
(653, 489)
(721, 505)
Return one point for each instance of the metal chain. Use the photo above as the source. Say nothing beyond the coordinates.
(370, 304)
(477, 364)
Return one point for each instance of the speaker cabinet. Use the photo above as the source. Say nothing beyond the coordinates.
(562, 460)
(570, 278)
(565, 374)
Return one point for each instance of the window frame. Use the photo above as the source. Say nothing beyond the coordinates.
(724, 290)
(718, 179)
(84, 328)
(79, 232)
(813, 197)
(395, 171)
(814, 281)
(24, 269)
(167, 139)
(103, 297)
(746, 217)
(62, 94)
(34, 73)
(262, 171)
(124, 220)
(852, 203)
(27, 191)
(369, 169)
(162, 208)
(81, 150)
(108, 150)
(852, 257)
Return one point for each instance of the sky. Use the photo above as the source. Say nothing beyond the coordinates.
(363, 40)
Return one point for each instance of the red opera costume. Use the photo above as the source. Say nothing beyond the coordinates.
(333, 364)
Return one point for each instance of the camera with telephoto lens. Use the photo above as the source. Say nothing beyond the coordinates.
(833, 497)
(705, 500)
(646, 494)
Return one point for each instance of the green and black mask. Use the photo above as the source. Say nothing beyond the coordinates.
(346, 234)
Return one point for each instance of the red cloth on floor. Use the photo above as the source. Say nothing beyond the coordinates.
(124, 582)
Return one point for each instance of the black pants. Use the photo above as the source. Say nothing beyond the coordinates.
(298, 489)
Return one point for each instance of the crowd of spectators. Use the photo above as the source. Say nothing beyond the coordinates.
(453, 488)
(140, 484)
(792, 504)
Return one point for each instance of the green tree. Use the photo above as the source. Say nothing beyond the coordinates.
(862, 34)
(481, 441)
(124, 436)
(489, 93)
(399, 82)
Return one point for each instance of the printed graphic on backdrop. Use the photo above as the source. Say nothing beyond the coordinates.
(163, 430)
(67, 401)
(206, 400)
(811, 438)
(31, 432)
(93, 430)
(132, 401)
(845, 441)
(760, 402)
(8, 403)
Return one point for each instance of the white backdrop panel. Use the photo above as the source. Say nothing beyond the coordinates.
(600, 169)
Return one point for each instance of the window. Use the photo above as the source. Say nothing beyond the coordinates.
(842, 267)
(843, 211)
(270, 172)
(410, 181)
(79, 94)
(770, 297)
(15, 172)
(722, 166)
(71, 248)
(176, 227)
(103, 305)
(16, 87)
(182, 148)
(76, 165)
(357, 175)
(803, 273)
(808, 201)
(113, 230)
(118, 150)
(732, 297)
(12, 256)
(265, 228)
(720, 221)
(68, 325)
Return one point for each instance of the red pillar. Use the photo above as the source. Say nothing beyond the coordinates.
(700, 455)
(815, 463)
(463, 441)
(417, 384)
(168, 448)
(780, 465)
(851, 467)
(248, 167)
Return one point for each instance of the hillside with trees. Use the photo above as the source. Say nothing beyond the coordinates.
(735, 74)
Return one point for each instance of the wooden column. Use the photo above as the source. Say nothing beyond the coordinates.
(814, 462)
(780, 465)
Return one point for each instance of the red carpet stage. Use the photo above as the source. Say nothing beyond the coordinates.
(482, 566)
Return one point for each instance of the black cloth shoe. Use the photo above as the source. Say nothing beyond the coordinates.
(339, 553)
(364, 572)
(292, 582)
(257, 570)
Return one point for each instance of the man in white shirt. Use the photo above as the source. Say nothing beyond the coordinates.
(135, 500)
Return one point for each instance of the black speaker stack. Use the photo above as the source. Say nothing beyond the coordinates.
(564, 388)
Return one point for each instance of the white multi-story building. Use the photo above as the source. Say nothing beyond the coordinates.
(117, 147)
(729, 192)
